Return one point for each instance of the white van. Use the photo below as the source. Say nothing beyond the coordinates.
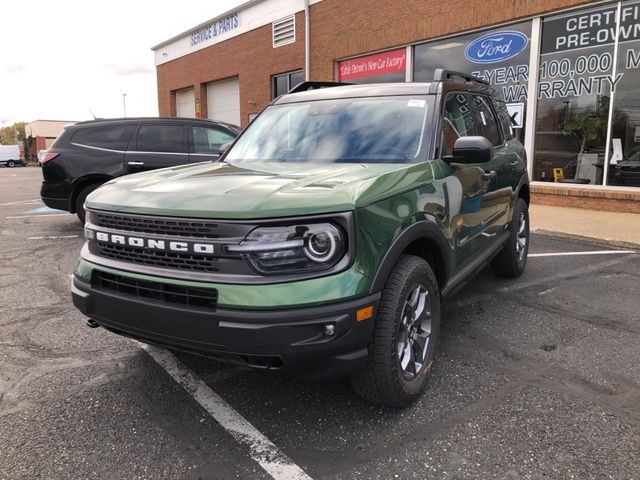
(10, 155)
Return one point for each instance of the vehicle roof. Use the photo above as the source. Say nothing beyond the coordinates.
(382, 89)
(136, 120)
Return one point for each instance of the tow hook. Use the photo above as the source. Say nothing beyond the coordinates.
(91, 323)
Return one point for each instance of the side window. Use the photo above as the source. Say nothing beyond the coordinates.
(457, 121)
(160, 138)
(486, 120)
(209, 140)
(113, 137)
(504, 118)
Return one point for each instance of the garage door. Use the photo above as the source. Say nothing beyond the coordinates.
(186, 103)
(223, 101)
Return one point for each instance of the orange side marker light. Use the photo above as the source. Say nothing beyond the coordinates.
(364, 313)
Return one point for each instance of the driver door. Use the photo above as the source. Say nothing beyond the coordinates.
(469, 187)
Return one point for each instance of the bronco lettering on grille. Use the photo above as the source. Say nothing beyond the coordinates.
(154, 244)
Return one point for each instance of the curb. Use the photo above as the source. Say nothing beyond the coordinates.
(602, 242)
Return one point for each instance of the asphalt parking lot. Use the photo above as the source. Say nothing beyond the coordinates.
(535, 378)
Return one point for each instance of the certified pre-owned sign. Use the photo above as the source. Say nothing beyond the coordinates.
(496, 47)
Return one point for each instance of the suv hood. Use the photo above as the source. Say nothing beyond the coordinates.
(257, 190)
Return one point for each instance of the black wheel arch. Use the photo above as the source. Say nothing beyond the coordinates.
(83, 182)
(424, 239)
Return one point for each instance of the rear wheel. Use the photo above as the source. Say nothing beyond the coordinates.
(11, 164)
(511, 261)
(80, 199)
(405, 335)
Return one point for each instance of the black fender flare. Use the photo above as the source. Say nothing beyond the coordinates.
(422, 229)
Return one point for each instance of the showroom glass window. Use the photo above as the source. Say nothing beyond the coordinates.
(574, 93)
(500, 56)
(283, 83)
(624, 159)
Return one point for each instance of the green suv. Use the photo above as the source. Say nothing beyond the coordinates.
(325, 239)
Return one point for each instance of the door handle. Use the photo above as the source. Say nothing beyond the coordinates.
(135, 164)
(489, 175)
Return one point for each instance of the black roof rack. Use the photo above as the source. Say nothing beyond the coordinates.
(441, 75)
(304, 86)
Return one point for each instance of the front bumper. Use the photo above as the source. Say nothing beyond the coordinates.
(291, 340)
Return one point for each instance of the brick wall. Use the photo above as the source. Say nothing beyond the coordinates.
(250, 57)
(607, 199)
(345, 28)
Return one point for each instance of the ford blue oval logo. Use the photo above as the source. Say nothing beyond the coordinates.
(496, 47)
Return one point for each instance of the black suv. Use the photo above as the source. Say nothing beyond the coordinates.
(91, 153)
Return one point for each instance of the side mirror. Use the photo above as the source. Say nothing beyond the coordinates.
(471, 150)
(223, 148)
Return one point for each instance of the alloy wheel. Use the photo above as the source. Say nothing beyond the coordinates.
(521, 239)
(414, 332)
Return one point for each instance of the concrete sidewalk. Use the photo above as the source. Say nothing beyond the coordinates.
(621, 229)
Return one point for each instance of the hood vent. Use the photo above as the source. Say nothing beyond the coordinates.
(284, 31)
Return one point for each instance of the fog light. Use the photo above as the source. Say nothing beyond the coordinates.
(329, 329)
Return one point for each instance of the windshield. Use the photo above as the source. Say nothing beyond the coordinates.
(347, 130)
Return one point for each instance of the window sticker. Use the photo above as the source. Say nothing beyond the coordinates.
(416, 103)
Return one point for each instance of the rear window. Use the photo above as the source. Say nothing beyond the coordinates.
(113, 137)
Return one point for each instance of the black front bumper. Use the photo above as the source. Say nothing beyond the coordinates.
(289, 340)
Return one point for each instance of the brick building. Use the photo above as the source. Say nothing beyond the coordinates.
(569, 70)
(42, 133)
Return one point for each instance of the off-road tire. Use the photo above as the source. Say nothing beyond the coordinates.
(509, 263)
(81, 197)
(382, 380)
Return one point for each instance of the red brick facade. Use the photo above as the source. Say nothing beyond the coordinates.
(341, 29)
(250, 57)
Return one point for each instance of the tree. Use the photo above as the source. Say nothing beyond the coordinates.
(589, 126)
(13, 134)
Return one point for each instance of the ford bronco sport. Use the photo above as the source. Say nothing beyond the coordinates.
(324, 240)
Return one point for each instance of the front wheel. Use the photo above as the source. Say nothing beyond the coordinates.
(11, 164)
(510, 262)
(405, 335)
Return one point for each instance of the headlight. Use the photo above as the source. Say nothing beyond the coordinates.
(293, 249)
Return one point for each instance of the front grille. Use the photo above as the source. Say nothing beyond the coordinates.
(163, 292)
(158, 225)
(162, 259)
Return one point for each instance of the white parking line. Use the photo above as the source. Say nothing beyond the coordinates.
(42, 215)
(52, 237)
(261, 449)
(21, 202)
(592, 252)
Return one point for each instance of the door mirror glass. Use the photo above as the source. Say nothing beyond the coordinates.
(471, 150)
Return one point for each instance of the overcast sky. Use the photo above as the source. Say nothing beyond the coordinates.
(60, 59)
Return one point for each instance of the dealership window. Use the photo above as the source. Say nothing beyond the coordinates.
(499, 56)
(624, 151)
(281, 84)
(574, 94)
(381, 67)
